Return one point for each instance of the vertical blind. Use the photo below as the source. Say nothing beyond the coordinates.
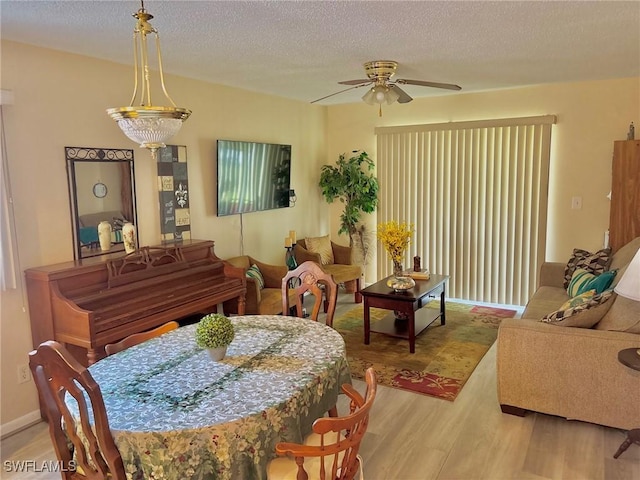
(476, 193)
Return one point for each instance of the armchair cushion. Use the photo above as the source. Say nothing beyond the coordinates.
(321, 246)
(343, 269)
(259, 301)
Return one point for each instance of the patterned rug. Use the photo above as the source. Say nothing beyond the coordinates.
(445, 357)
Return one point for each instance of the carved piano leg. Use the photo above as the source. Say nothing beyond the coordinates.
(92, 356)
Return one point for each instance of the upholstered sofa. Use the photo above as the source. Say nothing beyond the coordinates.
(265, 300)
(340, 265)
(570, 371)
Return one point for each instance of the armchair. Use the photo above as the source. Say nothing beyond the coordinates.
(342, 268)
(259, 301)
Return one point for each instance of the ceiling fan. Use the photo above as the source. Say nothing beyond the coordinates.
(385, 90)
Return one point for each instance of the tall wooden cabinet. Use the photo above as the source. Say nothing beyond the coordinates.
(624, 220)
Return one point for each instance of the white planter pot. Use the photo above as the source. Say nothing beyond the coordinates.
(217, 353)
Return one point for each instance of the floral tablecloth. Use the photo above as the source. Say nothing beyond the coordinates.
(177, 414)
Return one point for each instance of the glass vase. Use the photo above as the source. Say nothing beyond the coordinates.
(397, 269)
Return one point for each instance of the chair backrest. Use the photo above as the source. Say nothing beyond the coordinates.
(83, 443)
(137, 338)
(340, 437)
(308, 277)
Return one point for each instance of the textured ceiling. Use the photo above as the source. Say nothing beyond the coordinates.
(301, 49)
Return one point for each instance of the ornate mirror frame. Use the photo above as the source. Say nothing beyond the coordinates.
(101, 188)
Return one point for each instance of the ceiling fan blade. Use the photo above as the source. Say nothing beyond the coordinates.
(404, 96)
(356, 82)
(448, 86)
(341, 91)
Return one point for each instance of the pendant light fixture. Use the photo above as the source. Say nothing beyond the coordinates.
(149, 125)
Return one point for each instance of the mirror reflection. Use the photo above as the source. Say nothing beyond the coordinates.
(101, 189)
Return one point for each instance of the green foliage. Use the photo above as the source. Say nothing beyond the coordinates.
(214, 330)
(352, 182)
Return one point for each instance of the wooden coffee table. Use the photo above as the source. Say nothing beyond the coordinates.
(408, 319)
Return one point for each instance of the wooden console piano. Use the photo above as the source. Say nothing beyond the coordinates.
(89, 303)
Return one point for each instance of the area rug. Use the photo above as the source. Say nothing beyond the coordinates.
(446, 355)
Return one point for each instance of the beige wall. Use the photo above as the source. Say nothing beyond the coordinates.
(591, 115)
(60, 100)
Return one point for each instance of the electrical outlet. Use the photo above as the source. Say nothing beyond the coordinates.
(24, 374)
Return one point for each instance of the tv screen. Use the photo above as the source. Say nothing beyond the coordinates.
(252, 176)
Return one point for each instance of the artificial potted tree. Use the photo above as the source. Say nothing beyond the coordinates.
(352, 182)
(215, 332)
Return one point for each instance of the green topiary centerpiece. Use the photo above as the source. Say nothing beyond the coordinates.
(215, 332)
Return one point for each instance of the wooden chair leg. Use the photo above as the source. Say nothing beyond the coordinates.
(357, 296)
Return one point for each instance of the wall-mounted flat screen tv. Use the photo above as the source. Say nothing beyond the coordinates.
(252, 176)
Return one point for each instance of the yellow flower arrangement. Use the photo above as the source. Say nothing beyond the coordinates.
(395, 238)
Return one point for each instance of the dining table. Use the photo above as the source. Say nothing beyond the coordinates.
(175, 413)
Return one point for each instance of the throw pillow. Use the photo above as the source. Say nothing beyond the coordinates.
(578, 300)
(583, 281)
(321, 246)
(597, 262)
(584, 315)
(254, 272)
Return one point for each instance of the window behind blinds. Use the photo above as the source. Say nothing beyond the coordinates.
(477, 194)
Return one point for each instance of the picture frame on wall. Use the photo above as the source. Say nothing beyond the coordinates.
(173, 192)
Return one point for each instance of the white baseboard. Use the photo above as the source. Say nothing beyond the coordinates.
(21, 423)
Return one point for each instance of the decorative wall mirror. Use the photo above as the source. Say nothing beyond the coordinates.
(101, 189)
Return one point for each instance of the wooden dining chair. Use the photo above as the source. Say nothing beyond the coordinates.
(310, 277)
(331, 451)
(83, 445)
(137, 338)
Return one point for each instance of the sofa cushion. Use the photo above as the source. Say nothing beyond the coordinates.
(321, 246)
(622, 258)
(597, 262)
(583, 281)
(584, 315)
(254, 272)
(545, 299)
(623, 316)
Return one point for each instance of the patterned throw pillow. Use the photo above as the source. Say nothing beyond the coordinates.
(582, 281)
(322, 246)
(580, 312)
(578, 300)
(254, 272)
(597, 262)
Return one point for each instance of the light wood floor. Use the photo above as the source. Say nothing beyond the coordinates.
(417, 437)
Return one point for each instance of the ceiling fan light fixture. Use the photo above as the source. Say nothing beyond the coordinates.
(392, 95)
(150, 126)
(370, 97)
(379, 94)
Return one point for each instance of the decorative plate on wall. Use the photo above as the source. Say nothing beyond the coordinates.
(100, 190)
